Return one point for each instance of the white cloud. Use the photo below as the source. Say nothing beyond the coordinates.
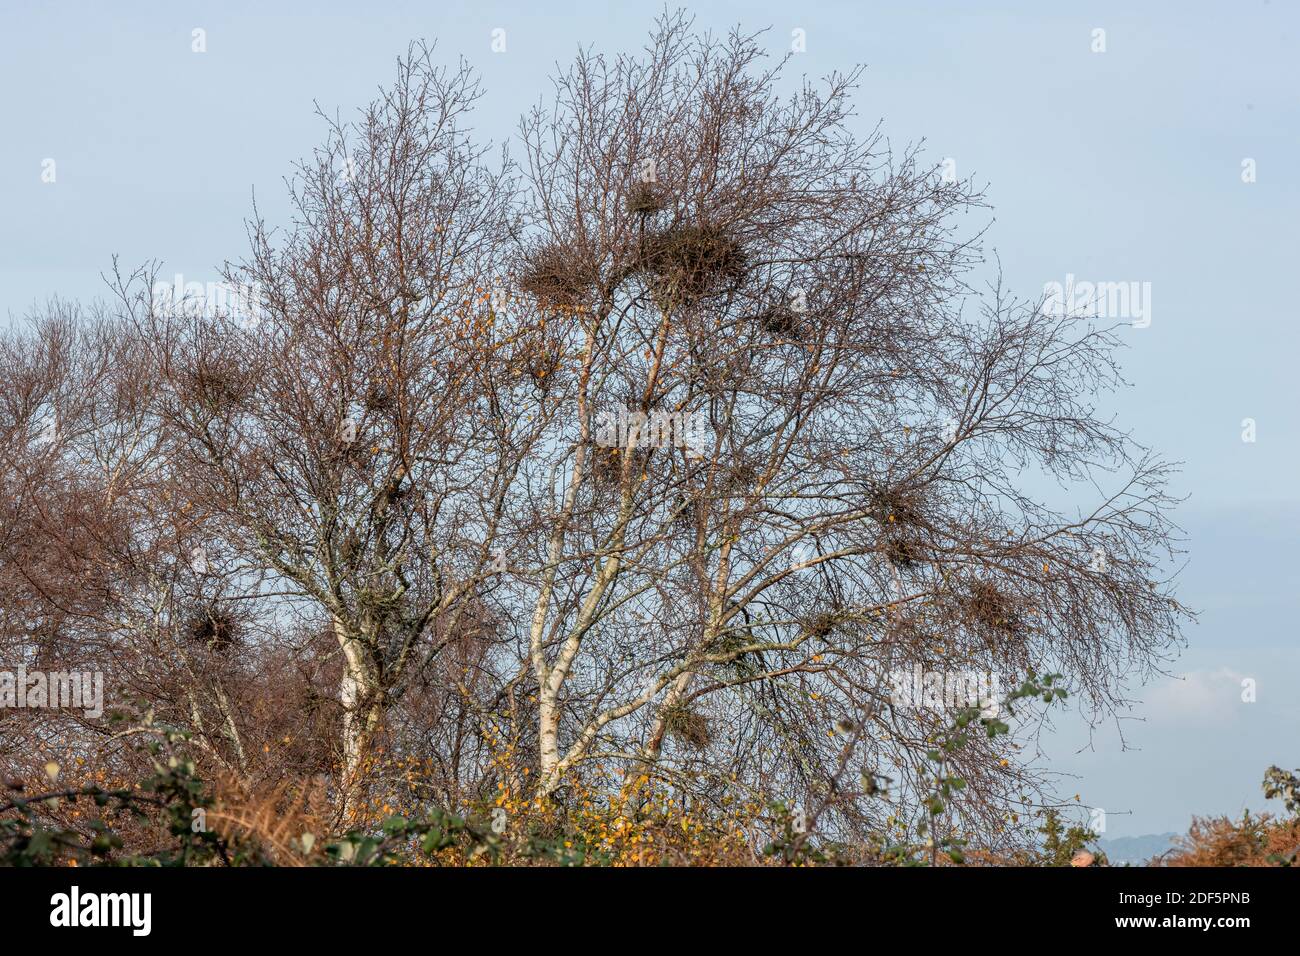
(1197, 698)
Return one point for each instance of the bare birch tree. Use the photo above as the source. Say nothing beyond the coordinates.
(674, 449)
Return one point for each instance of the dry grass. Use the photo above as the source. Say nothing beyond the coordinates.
(1221, 841)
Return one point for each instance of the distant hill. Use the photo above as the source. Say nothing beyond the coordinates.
(1136, 849)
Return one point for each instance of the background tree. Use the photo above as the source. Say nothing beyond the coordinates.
(329, 447)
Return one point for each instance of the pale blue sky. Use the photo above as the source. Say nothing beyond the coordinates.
(1123, 165)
